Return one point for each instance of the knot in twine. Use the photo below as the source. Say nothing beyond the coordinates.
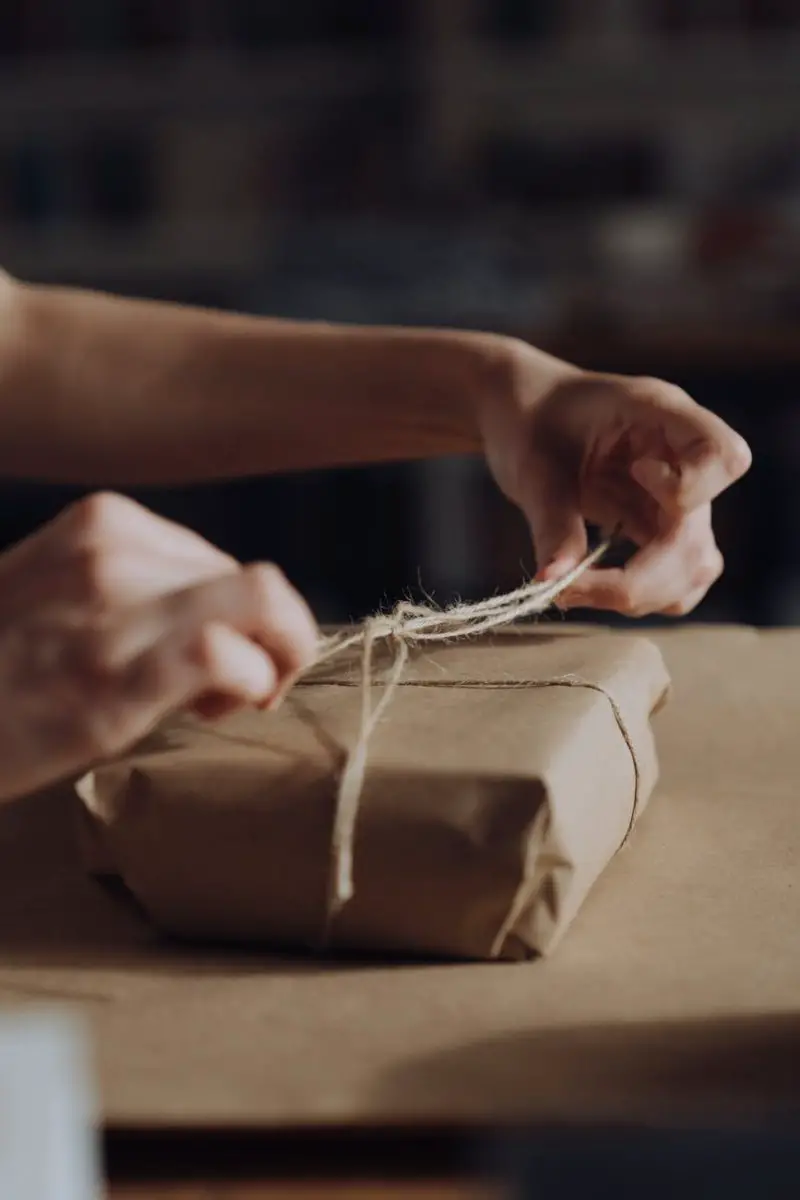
(405, 626)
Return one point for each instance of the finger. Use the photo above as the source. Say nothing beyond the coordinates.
(213, 705)
(687, 605)
(621, 591)
(168, 676)
(232, 667)
(703, 456)
(217, 670)
(106, 518)
(132, 577)
(550, 503)
(695, 477)
(662, 575)
(109, 549)
(257, 601)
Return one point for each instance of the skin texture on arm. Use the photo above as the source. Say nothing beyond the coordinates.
(97, 389)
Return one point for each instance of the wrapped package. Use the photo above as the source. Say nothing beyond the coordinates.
(502, 778)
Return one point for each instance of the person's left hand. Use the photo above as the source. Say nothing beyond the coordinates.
(636, 455)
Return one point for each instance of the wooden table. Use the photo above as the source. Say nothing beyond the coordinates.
(675, 993)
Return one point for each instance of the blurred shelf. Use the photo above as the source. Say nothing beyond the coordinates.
(184, 249)
(136, 86)
(546, 84)
(729, 347)
(757, 81)
(240, 254)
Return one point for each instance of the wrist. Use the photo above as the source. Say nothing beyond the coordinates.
(515, 378)
(482, 367)
(434, 384)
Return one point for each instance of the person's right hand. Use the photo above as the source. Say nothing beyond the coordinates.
(111, 617)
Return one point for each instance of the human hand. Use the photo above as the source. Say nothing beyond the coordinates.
(636, 455)
(111, 617)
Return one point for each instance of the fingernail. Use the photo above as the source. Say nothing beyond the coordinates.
(270, 703)
(276, 700)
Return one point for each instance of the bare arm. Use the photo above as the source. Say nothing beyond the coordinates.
(99, 389)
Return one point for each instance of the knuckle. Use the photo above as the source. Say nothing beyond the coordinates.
(90, 567)
(624, 605)
(94, 661)
(700, 553)
(96, 516)
(284, 610)
(741, 456)
(299, 643)
(306, 640)
(697, 547)
(301, 650)
(708, 571)
(101, 716)
(270, 585)
(645, 383)
(630, 599)
(681, 608)
(672, 393)
(95, 543)
(693, 555)
(676, 394)
(106, 730)
(623, 599)
(204, 650)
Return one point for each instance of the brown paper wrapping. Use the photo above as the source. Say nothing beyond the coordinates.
(674, 996)
(490, 807)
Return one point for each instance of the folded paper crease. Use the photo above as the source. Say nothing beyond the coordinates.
(506, 774)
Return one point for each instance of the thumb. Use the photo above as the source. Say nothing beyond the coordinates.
(559, 531)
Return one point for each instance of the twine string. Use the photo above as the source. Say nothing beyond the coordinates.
(405, 626)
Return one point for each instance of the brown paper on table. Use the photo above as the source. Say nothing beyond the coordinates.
(491, 805)
(675, 995)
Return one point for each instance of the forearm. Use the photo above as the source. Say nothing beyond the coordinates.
(98, 389)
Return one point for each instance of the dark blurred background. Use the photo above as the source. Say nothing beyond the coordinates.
(616, 180)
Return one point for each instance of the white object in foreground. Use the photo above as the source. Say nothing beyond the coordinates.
(48, 1146)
